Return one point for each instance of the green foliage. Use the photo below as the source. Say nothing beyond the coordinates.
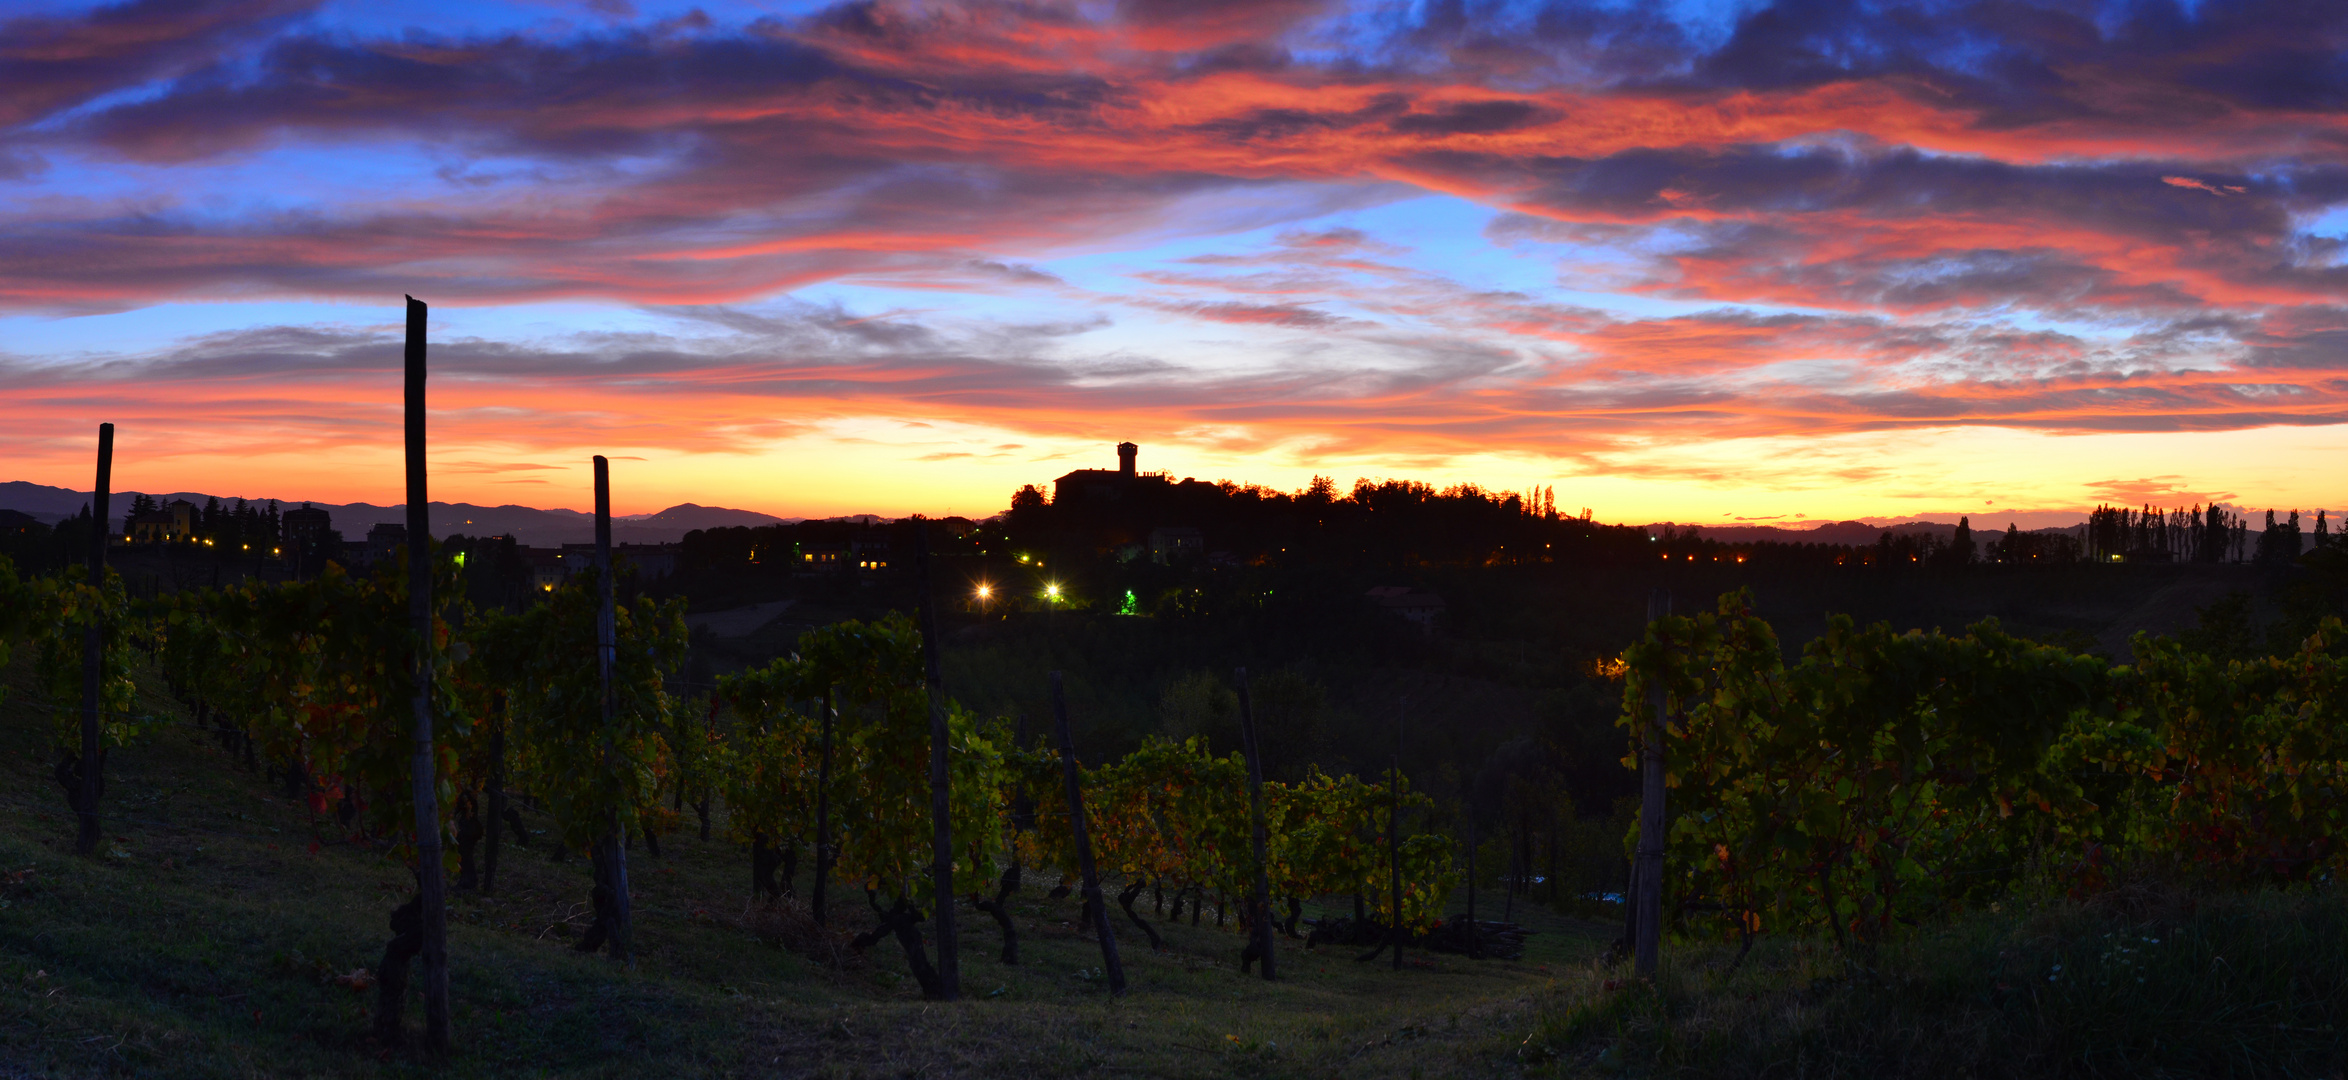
(16, 610)
(320, 671)
(62, 607)
(767, 769)
(2234, 769)
(1174, 811)
(593, 774)
(1888, 777)
(882, 826)
(1873, 782)
(1329, 835)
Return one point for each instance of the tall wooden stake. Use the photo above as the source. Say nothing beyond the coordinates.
(612, 864)
(823, 812)
(1475, 947)
(1090, 874)
(1513, 878)
(424, 772)
(1649, 878)
(940, 782)
(92, 763)
(1260, 900)
(1394, 831)
(496, 785)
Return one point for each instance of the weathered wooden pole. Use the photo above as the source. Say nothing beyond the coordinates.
(92, 778)
(1649, 876)
(940, 781)
(1089, 874)
(1475, 948)
(823, 811)
(611, 862)
(1260, 900)
(1394, 832)
(424, 771)
(496, 785)
(1512, 878)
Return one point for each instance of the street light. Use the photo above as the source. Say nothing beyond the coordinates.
(985, 592)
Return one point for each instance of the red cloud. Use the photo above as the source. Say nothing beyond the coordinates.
(1922, 226)
(2188, 182)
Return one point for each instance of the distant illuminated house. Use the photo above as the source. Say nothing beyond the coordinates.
(550, 567)
(817, 560)
(174, 522)
(1173, 545)
(651, 561)
(870, 550)
(303, 524)
(546, 567)
(384, 539)
(1421, 607)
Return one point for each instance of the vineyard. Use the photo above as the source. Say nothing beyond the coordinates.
(1887, 778)
(1881, 785)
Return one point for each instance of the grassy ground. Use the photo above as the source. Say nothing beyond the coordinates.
(2142, 982)
(211, 935)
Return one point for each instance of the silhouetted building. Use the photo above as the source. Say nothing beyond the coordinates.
(649, 561)
(384, 539)
(174, 522)
(304, 524)
(1105, 485)
(1172, 545)
(1421, 607)
(870, 552)
(818, 560)
(546, 567)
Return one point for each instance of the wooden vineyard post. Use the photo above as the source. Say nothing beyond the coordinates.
(1090, 875)
(496, 785)
(93, 763)
(1649, 876)
(1475, 949)
(1394, 831)
(611, 864)
(940, 782)
(1260, 900)
(823, 811)
(424, 773)
(1512, 875)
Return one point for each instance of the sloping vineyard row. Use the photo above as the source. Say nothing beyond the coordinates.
(1888, 778)
(310, 679)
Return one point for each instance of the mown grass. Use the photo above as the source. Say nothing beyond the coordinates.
(2146, 983)
(210, 939)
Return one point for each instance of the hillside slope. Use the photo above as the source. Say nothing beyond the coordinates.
(215, 935)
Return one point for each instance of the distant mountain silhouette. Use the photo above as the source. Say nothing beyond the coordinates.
(530, 526)
(1839, 533)
(690, 516)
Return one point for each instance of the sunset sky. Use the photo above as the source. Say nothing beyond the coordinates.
(1689, 261)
